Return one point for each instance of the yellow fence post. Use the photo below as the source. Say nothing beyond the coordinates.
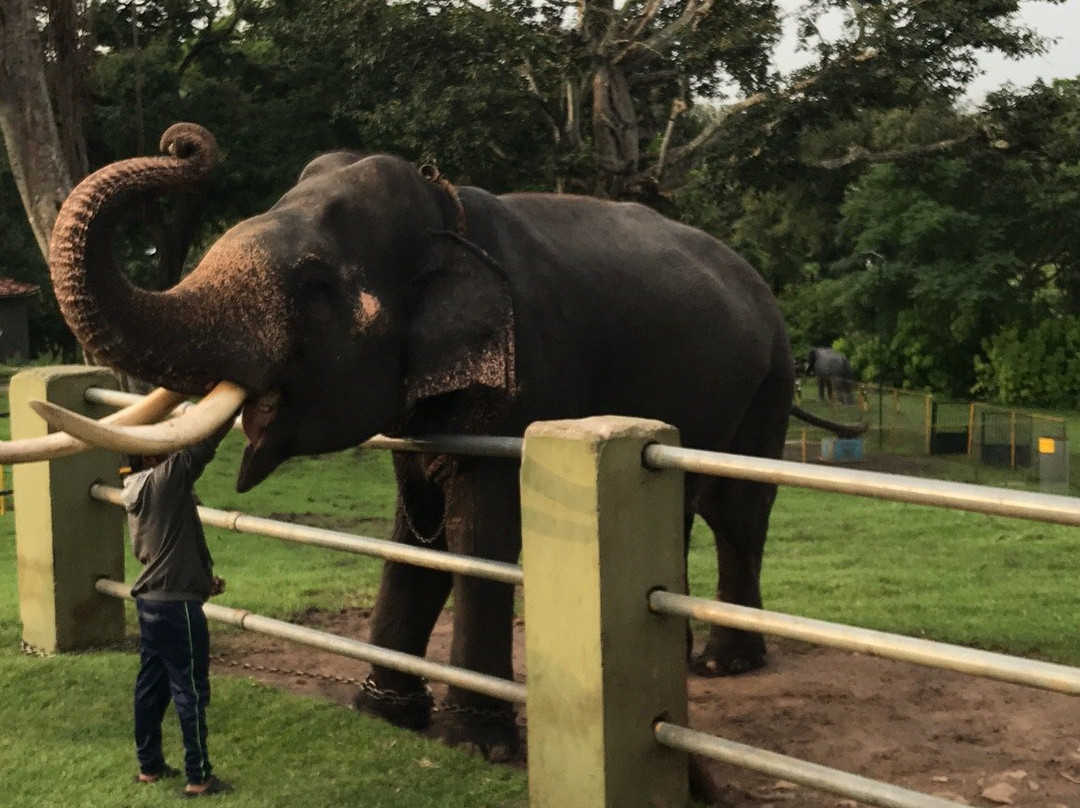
(600, 532)
(64, 539)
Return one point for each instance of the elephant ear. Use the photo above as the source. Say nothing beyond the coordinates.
(461, 331)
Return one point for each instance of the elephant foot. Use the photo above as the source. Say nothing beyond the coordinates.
(409, 709)
(730, 656)
(491, 733)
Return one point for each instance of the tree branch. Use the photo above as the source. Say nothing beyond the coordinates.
(678, 107)
(861, 154)
(694, 11)
(526, 73)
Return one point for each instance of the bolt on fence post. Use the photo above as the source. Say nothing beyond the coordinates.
(64, 539)
(600, 532)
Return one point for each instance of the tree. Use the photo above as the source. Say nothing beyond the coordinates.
(41, 105)
(629, 97)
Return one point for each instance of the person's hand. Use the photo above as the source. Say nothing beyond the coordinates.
(217, 585)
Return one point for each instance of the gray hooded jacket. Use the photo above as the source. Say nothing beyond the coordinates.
(166, 533)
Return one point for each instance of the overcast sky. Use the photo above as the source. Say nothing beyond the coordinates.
(1061, 61)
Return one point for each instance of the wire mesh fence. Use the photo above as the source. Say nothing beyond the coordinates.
(1000, 445)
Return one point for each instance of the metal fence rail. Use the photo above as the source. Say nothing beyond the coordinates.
(345, 542)
(1050, 508)
(259, 624)
(914, 490)
(823, 778)
(1045, 675)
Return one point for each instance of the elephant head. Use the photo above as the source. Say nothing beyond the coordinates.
(334, 312)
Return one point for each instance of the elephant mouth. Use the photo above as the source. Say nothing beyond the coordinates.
(261, 456)
(258, 415)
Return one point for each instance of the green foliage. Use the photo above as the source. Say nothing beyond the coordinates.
(433, 82)
(1039, 366)
(973, 211)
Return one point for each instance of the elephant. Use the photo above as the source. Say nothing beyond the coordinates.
(377, 297)
(836, 379)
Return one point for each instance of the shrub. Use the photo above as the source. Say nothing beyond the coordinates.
(1037, 366)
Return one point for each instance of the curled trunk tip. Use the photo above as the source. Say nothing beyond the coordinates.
(114, 320)
(191, 142)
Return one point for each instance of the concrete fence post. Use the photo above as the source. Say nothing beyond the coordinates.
(600, 532)
(64, 539)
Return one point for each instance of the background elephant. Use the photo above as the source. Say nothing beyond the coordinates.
(836, 379)
(375, 298)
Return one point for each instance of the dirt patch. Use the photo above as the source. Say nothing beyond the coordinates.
(970, 740)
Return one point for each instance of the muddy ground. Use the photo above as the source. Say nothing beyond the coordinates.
(972, 741)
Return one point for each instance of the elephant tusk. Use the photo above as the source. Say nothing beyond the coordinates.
(196, 423)
(150, 409)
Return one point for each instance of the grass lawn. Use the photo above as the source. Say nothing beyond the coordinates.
(65, 722)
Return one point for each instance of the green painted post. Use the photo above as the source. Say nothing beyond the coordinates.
(600, 532)
(64, 539)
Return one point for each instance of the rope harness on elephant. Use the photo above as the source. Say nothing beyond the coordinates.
(461, 225)
(432, 175)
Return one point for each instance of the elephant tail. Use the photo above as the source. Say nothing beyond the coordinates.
(840, 430)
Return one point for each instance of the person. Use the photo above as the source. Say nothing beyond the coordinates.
(176, 579)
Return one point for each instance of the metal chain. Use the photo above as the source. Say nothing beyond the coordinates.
(426, 540)
(367, 685)
(492, 713)
(384, 695)
(329, 677)
(388, 696)
(30, 650)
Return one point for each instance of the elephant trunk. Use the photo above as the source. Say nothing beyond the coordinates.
(150, 335)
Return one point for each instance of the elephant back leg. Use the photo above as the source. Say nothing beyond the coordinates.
(409, 600)
(737, 512)
(483, 520)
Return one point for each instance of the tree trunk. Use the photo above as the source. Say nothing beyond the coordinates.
(29, 126)
(615, 129)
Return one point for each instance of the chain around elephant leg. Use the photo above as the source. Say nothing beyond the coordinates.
(403, 708)
(490, 730)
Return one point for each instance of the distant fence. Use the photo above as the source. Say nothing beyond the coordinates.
(605, 729)
(1033, 445)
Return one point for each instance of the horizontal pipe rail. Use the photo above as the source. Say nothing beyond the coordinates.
(1051, 508)
(366, 652)
(813, 775)
(1045, 675)
(480, 445)
(345, 542)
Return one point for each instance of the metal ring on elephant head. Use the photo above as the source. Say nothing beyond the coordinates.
(431, 173)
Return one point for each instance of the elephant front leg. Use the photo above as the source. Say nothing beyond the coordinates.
(483, 520)
(406, 608)
(483, 642)
(409, 602)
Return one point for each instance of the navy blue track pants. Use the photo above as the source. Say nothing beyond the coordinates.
(175, 665)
